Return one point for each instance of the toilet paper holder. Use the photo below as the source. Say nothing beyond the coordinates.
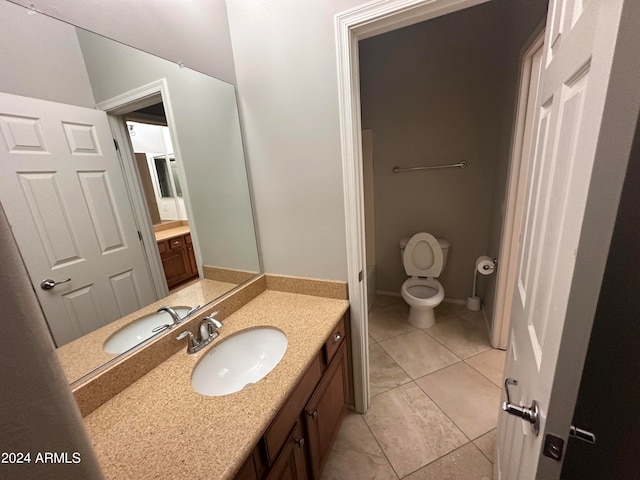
(491, 267)
(486, 266)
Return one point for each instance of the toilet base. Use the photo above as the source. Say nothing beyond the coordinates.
(422, 317)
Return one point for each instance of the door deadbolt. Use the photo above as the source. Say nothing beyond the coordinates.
(530, 414)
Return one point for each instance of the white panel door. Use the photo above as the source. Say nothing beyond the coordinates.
(579, 45)
(63, 191)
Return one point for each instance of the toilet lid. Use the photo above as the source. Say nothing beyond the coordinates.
(423, 256)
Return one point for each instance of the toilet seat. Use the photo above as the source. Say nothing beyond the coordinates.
(423, 256)
(422, 292)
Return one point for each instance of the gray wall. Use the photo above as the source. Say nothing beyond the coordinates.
(208, 138)
(194, 32)
(43, 61)
(285, 57)
(526, 17)
(432, 98)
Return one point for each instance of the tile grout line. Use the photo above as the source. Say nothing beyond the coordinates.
(482, 451)
(439, 458)
(426, 374)
(380, 446)
(492, 382)
(414, 381)
(426, 330)
(443, 413)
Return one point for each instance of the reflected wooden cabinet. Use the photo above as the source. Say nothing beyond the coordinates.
(178, 259)
(298, 441)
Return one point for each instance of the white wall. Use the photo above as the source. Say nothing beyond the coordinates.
(285, 59)
(153, 141)
(42, 61)
(208, 143)
(194, 32)
(434, 98)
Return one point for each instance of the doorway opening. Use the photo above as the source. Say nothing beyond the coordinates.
(459, 94)
(155, 182)
(161, 184)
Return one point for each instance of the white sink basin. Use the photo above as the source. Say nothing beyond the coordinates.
(239, 361)
(139, 330)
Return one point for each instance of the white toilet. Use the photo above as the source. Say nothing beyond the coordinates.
(424, 256)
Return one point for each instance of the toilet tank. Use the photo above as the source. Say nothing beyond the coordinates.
(444, 245)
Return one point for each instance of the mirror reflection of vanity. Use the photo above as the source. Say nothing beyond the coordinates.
(54, 62)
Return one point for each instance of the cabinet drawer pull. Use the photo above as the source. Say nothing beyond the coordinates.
(337, 337)
(299, 442)
(313, 414)
(176, 242)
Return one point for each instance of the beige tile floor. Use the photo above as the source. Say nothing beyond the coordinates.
(435, 397)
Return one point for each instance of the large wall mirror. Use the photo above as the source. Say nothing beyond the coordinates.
(125, 184)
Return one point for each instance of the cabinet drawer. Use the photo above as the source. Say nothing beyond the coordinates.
(163, 247)
(175, 243)
(280, 428)
(335, 340)
(187, 238)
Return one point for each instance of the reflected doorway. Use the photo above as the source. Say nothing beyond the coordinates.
(162, 187)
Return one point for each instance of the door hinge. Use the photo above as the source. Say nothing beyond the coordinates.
(115, 143)
(360, 276)
(139, 235)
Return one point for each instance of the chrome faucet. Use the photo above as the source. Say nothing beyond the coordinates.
(209, 328)
(174, 315)
(208, 333)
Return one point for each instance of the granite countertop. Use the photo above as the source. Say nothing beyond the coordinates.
(171, 233)
(159, 427)
(86, 353)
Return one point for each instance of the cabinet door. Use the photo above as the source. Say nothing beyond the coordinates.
(193, 266)
(291, 464)
(325, 410)
(176, 266)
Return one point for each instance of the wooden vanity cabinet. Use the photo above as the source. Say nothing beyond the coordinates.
(325, 411)
(178, 259)
(291, 464)
(298, 441)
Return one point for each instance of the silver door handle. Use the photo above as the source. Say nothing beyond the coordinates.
(48, 284)
(530, 414)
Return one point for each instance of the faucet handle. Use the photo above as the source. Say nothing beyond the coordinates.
(160, 328)
(194, 309)
(193, 343)
(215, 321)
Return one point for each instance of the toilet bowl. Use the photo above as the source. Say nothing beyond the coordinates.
(423, 257)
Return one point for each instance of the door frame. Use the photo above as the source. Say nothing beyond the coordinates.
(116, 107)
(516, 177)
(352, 26)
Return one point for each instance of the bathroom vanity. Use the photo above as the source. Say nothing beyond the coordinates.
(282, 426)
(298, 441)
